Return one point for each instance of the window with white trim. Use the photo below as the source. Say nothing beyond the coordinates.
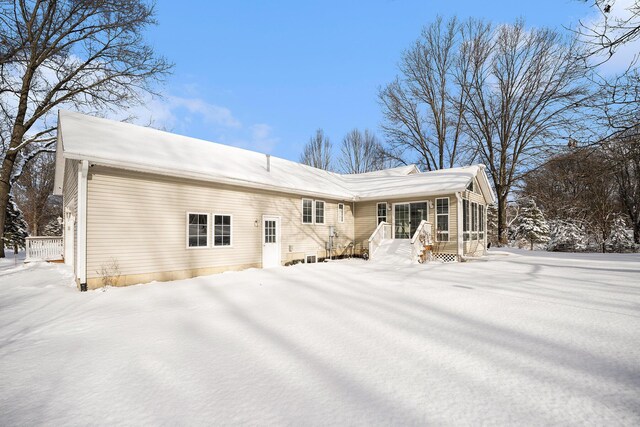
(442, 219)
(481, 222)
(197, 229)
(319, 212)
(340, 212)
(381, 210)
(465, 220)
(221, 230)
(470, 187)
(307, 211)
(474, 221)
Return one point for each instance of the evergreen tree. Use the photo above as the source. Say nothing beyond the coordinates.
(53, 228)
(567, 235)
(492, 224)
(15, 227)
(532, 226)
(620, 240)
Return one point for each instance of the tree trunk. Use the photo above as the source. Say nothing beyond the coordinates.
(502, 218)
(5, 182)
(5, 188)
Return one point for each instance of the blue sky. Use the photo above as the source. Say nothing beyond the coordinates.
(265, 75)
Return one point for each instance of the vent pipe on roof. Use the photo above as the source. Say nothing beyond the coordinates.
(268, 162)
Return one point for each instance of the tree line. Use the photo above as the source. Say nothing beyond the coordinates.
(523, 101)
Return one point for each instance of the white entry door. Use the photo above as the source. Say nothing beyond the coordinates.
(270, 241)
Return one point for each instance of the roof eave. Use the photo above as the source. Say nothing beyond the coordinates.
(408, 195)
(131, 166)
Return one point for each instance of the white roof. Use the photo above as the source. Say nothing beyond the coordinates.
(127, 146)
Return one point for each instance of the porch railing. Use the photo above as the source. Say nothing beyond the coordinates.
(44, 248)
(421, 240)
(383, 231)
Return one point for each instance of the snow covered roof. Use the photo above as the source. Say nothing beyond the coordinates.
(127, 146)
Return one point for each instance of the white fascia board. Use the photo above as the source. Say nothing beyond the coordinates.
(131, 166)
(488, 189)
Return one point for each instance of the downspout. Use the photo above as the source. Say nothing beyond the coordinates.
(83, 172)
(459, 226)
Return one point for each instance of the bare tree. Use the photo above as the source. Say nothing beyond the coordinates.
(623, 154)
(523, 88)
(579, 186)
(86, 55)
(361, 152)
(317, 152)
(618, 106)
(33, 193)
(617, 25)
(422, 108)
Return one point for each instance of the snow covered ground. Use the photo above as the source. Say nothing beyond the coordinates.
(521, 338)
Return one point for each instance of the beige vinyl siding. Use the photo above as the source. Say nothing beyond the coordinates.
(366, 220)
(70, 202)
(140, 220)
(474, 247)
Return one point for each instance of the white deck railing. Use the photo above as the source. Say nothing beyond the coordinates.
(420, 239)
(383, 231)
(44, 248)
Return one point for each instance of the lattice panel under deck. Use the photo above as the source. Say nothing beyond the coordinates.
(446, 257)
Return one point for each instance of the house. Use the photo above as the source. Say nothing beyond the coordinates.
(143, 205)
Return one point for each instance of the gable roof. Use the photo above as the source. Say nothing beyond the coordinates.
(127, 146)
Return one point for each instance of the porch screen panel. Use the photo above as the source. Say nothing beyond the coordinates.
(442, 219)
(465, 219)
(481, 221)
(474, 221)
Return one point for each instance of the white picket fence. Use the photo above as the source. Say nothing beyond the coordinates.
(44, 248)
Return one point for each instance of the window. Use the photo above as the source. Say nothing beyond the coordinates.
(270, 231)
(340, 212)
(465, 220)
(307, 211)
(197, 230)
(442, 219)
(310, 259)
(319, 212)
(481, 222)
(221, 230)
(382, 212)
(474, 221)
(470, 186)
